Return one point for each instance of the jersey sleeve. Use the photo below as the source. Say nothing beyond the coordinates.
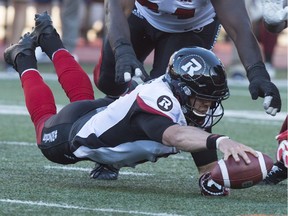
(152, 125)
(161, 102)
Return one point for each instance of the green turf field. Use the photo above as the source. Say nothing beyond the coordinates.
(31, 185)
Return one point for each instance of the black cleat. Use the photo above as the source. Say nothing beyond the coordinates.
(43, 25)
(46, 35)
(277, 174)
(104, 172)
(26, 46)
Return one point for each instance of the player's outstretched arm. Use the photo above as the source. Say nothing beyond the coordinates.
(192, 139)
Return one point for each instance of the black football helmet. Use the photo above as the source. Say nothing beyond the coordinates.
(197, 72)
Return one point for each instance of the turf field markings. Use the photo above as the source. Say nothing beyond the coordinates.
(17, 143)
(238, 114)
(253, 122)
(66, 206)
(88, 170)
(254, 115)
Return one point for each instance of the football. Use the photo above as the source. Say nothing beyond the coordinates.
(240, 175)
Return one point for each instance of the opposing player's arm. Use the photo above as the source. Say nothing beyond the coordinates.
(126, 63)
(235, 20)
(116, 13)
(192, 139)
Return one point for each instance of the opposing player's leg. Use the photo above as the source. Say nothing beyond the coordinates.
(167, 44)
(71, 76)
(278, 172)
(38, 96)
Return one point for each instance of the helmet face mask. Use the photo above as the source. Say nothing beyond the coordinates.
(197, 73)
(197, 118)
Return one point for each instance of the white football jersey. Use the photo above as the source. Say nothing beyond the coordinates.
(119, 143)
(176, 15)
(155, 97)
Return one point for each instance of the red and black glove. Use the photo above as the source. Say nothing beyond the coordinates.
(209, 187)
(282, 151)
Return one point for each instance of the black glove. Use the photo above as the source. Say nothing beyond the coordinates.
(261, 86)
(127, 65)
(104, 172)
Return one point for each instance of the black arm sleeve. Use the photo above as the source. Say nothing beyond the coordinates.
(152, 125)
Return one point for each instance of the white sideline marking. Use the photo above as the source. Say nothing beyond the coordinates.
(17, 110)
(66, 206)
(238, 114)
(88, 170)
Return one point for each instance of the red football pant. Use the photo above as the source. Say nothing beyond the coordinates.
(39, 98)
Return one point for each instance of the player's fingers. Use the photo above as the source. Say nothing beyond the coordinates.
(269, 110)
(267, 102)
(226, 155)
(245, 157)
(138, 72)
(235, 155)
(127, 76)
(252, 151)
(274, 111)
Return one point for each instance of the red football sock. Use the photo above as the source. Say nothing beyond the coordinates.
(73, 79)
(39, 99)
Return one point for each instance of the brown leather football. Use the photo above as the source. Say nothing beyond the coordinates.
(240, 175)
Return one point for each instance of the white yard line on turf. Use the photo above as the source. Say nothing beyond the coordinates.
(66, 206)
(52, 76)
(88, 170)
(239, 114)
(17, 143)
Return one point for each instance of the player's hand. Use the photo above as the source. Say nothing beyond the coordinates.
(261, 86)
(127, 65)
(273, 11)
(235, 149)
(282, 151)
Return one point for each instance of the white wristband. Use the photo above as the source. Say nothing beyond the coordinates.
(219, 140)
